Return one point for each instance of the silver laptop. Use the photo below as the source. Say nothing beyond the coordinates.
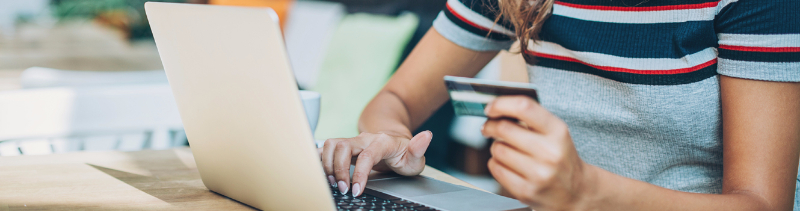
(242, 113)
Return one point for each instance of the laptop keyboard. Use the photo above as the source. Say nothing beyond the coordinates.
(372, 200)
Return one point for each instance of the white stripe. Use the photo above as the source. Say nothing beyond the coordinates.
(600, 59)
(466, 80)
(760, 40)
(477, 18)
(664, 16)
(472, 97)
(768, 71)
(466, 39)
(723, 3)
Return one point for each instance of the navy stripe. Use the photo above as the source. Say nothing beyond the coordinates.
(489, 9)
(671, 79)
(760, 17)
(474, 30)
(759, 56)
(661, 40)
(635, 3)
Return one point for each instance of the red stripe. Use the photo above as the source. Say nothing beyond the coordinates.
(625, 70)
(641, 9)
(760, 49)
(465, 20)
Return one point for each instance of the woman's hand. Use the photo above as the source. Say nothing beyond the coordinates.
(535, 159)
(384, 151)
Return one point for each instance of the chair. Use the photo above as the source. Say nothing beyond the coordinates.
(64, 119)
(364, 51)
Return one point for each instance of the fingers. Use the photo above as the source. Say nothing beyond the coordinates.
(527, 110)
(330, 177)
(368, 158)
(518, 137)
(336, 156)
(327, 158)
(419, 143)
(514, 160)
(407, 156)
(341, 164)
(511, 181)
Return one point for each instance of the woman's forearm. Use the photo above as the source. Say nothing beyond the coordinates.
(615, 192)
(386, 113)
(415, 92)
(417, 89)
(761, 135)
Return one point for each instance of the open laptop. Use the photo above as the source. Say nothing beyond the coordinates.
(242, 113)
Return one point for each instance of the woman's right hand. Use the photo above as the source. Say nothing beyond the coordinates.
(381, 151)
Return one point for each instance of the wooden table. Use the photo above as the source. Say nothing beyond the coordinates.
(113, 180)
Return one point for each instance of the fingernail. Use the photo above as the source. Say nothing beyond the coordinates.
(342, 187)
(332, 180)
(486, 109)
(356, 189)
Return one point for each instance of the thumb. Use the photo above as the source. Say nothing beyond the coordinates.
(419, 143)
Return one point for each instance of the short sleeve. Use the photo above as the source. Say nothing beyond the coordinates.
(471, 24)
(759, 39)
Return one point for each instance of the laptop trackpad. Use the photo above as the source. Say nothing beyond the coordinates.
(442, 195)
(406, 187)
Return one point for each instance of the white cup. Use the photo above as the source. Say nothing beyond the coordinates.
(311, 105)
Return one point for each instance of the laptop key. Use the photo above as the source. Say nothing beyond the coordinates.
(402, 202)
(376, 202)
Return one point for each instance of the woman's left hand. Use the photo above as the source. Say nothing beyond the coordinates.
(535, 159)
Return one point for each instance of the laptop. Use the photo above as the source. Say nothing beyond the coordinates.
(243, 116)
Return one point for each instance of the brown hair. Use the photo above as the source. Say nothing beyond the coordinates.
(527, 17)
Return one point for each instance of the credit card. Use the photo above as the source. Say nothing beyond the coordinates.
(470, 95)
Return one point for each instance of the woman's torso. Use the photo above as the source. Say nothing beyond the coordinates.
(637, 80)
(639, 89)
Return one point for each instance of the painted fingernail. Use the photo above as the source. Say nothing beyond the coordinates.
(342, 187)
(332, 180)
(356, 189)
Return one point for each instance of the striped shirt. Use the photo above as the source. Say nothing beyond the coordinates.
(637, 80)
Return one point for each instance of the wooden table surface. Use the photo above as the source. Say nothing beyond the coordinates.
(113, 180)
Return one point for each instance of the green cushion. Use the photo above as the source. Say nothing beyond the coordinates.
(363, 53)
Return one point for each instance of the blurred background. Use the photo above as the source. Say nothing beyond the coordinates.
(84, 75)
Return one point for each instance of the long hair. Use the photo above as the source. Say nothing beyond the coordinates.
(527, 17)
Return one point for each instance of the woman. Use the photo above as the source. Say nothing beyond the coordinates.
(645, 104)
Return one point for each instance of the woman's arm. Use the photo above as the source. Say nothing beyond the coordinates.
(761, 144)
(417, 88)
(414, 92)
